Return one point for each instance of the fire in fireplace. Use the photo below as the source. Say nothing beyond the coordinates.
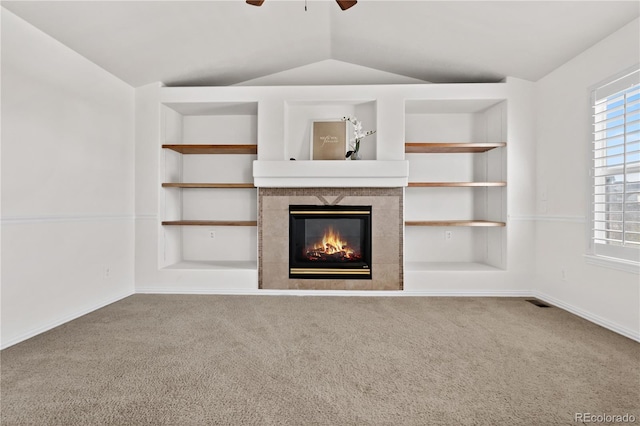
(333, 247)
(330, 242)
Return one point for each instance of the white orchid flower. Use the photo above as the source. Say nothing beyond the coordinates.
(358, 134)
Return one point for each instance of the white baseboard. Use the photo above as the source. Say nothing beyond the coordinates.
(62, 320)
(369, 293)
(617, 328)
(468, 293)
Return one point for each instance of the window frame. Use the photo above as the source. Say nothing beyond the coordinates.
(624, 258)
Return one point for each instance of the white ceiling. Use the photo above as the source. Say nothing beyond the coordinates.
(230, 42)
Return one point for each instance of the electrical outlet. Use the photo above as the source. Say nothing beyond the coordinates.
(107, 272)
(448, 235)
(563, 275)
(212, 234)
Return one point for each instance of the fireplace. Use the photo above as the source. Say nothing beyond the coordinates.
(330, 242)
(383, 253)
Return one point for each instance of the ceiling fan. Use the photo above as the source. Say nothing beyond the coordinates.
(344, 4)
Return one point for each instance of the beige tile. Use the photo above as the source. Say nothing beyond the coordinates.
(386, 277)
(385, 249)
(275, 242)
(313, 284)
(385, 223)
(385, 203)
(388, 203)
(305, 200)
(351, 200)
(331, 198)
(337, 285)
(358, 284)
(275, 254)
(275, 203)
(275, 275)
(392, 286)
(275, 223)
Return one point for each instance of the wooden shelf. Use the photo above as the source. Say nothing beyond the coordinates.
(213, 149)
(210, 222)
(446, 147)
(452, 223)
(208, 185)
(454, 184)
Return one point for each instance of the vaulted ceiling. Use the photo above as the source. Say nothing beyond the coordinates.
(229, 42)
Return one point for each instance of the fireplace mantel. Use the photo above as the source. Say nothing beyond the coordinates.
(330, 173)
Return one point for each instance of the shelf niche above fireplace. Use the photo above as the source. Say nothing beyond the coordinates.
(329, 242)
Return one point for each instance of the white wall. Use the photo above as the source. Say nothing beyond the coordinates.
(67, 183)
(563, 140)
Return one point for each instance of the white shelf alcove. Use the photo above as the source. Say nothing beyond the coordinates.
(204, 181)
(480, 198)
(300, 114)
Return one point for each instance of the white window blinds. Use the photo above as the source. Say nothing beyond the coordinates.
(616, 168)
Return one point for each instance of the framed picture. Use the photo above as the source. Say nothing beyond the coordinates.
(328, 140)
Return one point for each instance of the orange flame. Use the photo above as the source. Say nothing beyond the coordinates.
(331, 245)
(332, 242)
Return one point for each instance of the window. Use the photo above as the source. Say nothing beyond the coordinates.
(616, 169)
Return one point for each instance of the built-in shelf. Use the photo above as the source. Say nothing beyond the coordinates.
(210, 222)
(446, 147)
(213, 149)
(454, 184)
(208, 185)
(452, 223)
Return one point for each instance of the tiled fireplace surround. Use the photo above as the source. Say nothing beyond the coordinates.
(387, 236)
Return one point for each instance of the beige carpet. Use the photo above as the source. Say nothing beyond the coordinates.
(236, 360)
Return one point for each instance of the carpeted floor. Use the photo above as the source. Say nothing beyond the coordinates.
(271, 360)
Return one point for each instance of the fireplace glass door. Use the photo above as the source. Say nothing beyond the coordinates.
(330, 242)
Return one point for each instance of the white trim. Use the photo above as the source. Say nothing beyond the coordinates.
(332, 293)
(609, 80)
(570, 219)
(610, 325)
(466, 293)
(523, 218)
(606, 255)
(16, 220)
(63, 320)
(146, 217)
(613, 263)
(548, 218)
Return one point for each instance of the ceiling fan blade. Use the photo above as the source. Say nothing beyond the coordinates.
(255, 2)
(346, 4)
